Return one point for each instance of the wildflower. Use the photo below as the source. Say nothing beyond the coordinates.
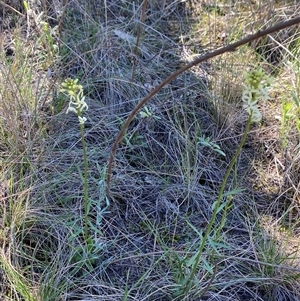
(82, 120)
(255, 89)
(77, 102)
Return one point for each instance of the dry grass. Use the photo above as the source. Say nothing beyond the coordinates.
(164, 181)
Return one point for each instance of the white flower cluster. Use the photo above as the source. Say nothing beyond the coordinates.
(77, 102)
(255, 89)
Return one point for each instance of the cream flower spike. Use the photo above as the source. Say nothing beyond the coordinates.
(77, 102)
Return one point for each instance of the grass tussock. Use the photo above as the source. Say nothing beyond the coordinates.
(167, 231)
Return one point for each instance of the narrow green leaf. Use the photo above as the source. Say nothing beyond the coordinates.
(207, 266)
(221, 207)
(192, 260)
(196, 230)
(218, 150)
(25, 3)
(215, 245)
(296, 99)
(234, 191)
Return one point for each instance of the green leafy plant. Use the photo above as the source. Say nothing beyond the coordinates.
(206, 141)
(255, 89)
(287, 118)
(290, 111)
(86, 253)
(77, 105)
(146, 113)
(290, 107)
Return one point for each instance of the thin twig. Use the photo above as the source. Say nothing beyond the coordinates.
(139, 32)
(10, 7)
(61, 18)
(230, 47)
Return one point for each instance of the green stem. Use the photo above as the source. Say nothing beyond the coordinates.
(188, 282)
(85, 186)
